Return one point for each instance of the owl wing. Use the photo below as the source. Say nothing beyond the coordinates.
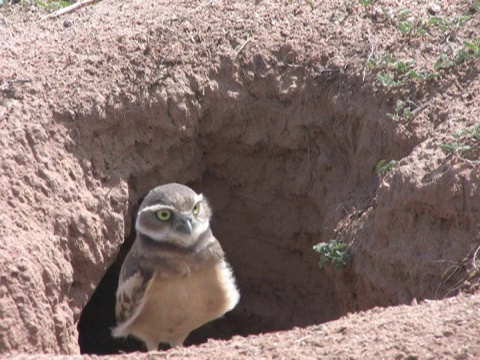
(135, 277)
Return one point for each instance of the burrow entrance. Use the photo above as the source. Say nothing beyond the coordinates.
(283, 160)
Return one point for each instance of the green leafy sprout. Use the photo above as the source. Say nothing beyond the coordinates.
(459, 146)
(334, 252)
(49, 5)
(395, 71)
(384, 166)
(455, 148)
(402, 111)
(366, 2)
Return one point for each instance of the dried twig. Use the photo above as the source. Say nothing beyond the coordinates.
(240, 47)
(420, 108)
(69, 9)
(447, 275)
(372, 51)
(473, 162)
(302, 339)
(474, 260)
(458, 285)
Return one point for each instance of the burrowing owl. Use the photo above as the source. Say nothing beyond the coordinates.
(175, 278)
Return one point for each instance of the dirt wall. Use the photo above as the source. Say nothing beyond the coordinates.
(271, 117)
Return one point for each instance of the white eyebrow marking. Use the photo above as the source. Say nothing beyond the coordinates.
(155, 208)
(198, 198)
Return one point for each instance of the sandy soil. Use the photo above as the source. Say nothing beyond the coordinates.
(279, 112)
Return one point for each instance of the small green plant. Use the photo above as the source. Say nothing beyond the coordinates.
(49, 5)
(441, 23)
(409, 27)
(383, 167)
(403, 66)
(455, 148)
(443, 62)
(446, 24)
(399, 74)
(334, 252)
(405, 27)
(388, 80)
(382, 61)
(470, 50)
(422, 76)
(366, 2)
(476, 132)
(397, 71)
(471, 135)
(402, 111)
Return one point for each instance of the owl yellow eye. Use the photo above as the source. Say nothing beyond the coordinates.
(164, 215)
(196, 209)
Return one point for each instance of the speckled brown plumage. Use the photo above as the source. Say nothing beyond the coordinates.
(175, 277)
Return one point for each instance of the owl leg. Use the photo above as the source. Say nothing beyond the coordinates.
(152, 345)
(178, 342)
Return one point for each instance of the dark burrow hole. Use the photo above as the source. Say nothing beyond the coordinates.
(98, 316)
(276, 306)
(281, 177)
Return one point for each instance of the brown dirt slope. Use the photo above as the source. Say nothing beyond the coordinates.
(280, 113)
(445, 329)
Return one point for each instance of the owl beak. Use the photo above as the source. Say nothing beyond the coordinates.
(184, 224)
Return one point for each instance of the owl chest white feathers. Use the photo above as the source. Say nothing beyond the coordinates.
(173, 307)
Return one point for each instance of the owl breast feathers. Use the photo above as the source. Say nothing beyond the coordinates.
(175, 278)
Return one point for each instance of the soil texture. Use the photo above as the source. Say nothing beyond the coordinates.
(302, 122)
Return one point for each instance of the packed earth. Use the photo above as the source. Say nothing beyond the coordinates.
(350, 124)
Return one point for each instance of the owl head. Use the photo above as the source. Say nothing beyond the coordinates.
(174, 214)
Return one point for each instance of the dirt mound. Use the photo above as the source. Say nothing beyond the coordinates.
(280, 114)
(391, 333)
